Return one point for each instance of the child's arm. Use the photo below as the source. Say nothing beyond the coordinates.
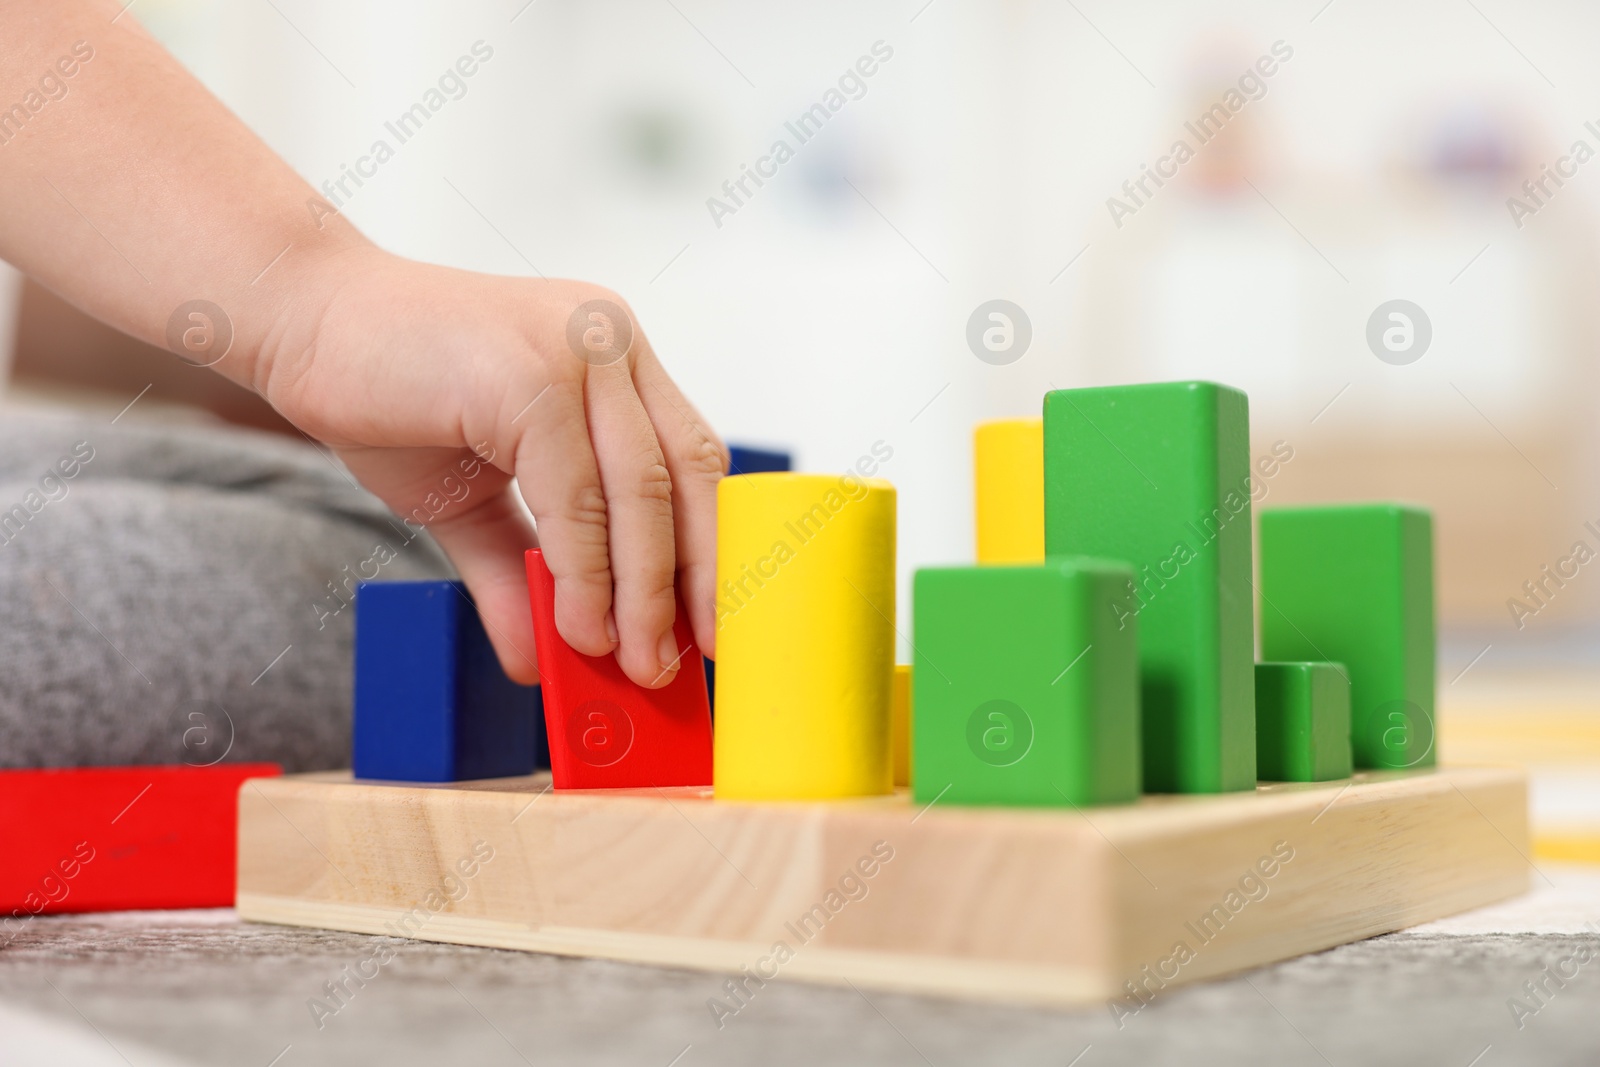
(126, 187)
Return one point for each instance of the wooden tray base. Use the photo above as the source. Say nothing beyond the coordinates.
(1044, 906)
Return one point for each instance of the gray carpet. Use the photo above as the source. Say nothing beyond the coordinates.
(202, 988)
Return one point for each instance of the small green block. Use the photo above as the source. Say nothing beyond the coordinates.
(1302, 722)
(1025, 687)
(1354, 584)
(1160, 475)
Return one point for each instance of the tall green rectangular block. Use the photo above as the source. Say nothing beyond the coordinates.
(1354, 583)
(1160, 475)
(1024, 687)
(1302, 722)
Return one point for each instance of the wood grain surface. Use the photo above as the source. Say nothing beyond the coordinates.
(1043, 906)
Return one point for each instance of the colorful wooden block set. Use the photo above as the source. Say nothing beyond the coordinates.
(1079, 761)
(1102, 647)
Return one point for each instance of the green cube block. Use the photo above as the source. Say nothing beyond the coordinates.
(1302, 722)
(1353, 583)
(1024, 688)
(1160, 475)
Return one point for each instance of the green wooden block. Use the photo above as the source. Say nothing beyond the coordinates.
(1353, 583)
(1160, 475)
(1024, 687)
(1302, 722)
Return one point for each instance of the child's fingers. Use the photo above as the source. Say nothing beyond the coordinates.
(697, 459)
(486, 542)
(467, 508)
(638, 490)
(560, 481)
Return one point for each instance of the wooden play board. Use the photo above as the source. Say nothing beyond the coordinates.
(1049, 906)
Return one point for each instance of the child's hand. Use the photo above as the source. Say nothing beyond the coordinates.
(407, 369)
(403, 368)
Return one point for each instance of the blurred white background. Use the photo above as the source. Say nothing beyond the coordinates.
(830, 310)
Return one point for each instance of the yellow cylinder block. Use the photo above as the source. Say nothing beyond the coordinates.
(805, 636)
(1008, 469)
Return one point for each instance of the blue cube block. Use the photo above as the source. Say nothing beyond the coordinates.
(431, 701)
(745, 460)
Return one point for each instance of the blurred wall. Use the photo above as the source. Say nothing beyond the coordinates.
(829, 311)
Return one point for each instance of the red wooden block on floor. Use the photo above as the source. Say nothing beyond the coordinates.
(605, 731)
(115, 838)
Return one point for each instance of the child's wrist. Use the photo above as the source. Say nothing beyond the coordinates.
(282, 321)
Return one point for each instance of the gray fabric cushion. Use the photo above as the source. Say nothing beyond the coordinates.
(144, 596)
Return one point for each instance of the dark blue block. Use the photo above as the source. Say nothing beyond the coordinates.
(431, 701)
(541, 740)
(743, 460)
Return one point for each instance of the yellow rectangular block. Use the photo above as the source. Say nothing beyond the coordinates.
(1008, 475)
(805, 636)
(900, 724)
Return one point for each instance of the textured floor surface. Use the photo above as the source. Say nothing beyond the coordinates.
(202, 988)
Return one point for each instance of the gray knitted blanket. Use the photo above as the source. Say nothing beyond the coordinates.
(178, 594)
